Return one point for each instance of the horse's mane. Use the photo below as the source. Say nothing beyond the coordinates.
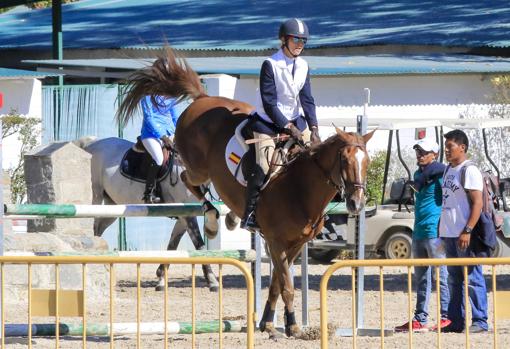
(169, 76)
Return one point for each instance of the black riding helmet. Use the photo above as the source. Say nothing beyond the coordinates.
(294, 27)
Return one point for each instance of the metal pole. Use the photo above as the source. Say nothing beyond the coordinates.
(304, 286)
(486, 150)
(56, 12)
(399, 153)
(387, 165)
(256, 272)
(360, 228)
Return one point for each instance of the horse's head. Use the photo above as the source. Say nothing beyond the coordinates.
(354, 162)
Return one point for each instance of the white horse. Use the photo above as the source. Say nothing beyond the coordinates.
(110, 187)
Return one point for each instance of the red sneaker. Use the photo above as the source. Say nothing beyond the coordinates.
(443, 323)
(415, 325)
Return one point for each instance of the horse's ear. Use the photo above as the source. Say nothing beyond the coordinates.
(369, 135)
(340, 132)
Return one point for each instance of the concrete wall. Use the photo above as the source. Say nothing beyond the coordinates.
(24, 96)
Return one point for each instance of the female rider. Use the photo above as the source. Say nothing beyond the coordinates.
(158, 128)
(285, 95)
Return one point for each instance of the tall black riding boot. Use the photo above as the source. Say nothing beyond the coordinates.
(255, 180)
(149, 196)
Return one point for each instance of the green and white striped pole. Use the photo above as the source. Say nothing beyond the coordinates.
(127, 328)
(139, 210)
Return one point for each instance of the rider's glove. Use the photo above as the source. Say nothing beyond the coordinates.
(167, 142)
(314, 137)
(294, 132)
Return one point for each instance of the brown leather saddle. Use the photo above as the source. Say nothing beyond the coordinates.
(136, 160)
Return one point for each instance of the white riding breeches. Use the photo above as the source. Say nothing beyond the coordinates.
(153, 146)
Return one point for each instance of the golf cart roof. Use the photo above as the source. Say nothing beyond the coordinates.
(475, 123)
(380, 124)
(399, 124)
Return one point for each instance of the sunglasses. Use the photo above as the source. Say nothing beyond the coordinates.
(297, 40)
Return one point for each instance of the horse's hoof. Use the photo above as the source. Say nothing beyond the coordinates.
(211, 225)
(294, 331)
(160, 288)
(231, 220)
(213, 288)
(269, 328)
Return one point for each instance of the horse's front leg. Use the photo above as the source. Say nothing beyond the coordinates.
(198, 242)
(281, 264)
(175, 237)
(267, 321)
(211, 214)
(291, 328)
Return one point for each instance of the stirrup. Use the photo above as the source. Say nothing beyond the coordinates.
(151, 199)
(249, 222)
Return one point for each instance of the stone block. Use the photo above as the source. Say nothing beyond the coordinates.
(59, 173)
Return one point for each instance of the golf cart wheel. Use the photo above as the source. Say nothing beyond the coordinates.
(398, 246)
(323, 256)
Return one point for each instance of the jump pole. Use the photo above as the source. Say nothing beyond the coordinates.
(127, 328)
(240, 255)
(138, 210)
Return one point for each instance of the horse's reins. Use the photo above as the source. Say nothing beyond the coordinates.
(329, 179)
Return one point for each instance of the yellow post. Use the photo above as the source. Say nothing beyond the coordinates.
(381, 295)
(410, 305)
(466, 304)
(438, 300)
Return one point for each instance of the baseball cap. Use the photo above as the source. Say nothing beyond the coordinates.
(427, 144)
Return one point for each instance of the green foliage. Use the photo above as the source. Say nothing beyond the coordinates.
(27, 132)
(375, 177)
(47, 3)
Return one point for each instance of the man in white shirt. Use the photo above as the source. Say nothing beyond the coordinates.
(462, 204)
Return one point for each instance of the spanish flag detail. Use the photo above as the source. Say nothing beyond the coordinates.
(234, 158)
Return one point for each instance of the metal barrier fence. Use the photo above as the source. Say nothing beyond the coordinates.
(381, 264)
(73, 302)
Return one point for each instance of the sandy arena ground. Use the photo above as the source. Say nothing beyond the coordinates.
(234, 307)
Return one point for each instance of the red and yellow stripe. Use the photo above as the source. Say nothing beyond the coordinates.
(234, 158)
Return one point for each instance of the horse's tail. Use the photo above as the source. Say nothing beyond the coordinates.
(85, 141)
(169, 76)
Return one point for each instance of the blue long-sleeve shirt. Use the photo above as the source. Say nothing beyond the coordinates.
(158, 120)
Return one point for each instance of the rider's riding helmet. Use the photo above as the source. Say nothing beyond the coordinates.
(293, 27)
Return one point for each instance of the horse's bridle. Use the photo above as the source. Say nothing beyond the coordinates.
(339, 187)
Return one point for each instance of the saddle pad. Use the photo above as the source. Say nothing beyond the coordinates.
(233, 156)
(134, 166)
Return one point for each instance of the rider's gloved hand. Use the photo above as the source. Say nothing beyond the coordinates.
(314, 137)
(294, 132)
(167, 142)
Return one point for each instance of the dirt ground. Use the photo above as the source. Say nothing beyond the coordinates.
(234, 307)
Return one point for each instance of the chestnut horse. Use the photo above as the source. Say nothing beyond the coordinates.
(290, 208)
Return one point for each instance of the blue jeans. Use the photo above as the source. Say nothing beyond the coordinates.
(476, 288)
(429, 248)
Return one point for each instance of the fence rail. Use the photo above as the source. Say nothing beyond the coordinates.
(80, 310)
(409, 263)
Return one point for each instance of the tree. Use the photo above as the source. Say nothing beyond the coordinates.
(375, 177)
(27, 131)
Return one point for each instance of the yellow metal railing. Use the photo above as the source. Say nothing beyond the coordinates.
(58, 297)
(381, 264)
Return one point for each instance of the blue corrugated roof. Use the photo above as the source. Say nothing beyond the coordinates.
(6, 73)
(248, 24)
(342, 65)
